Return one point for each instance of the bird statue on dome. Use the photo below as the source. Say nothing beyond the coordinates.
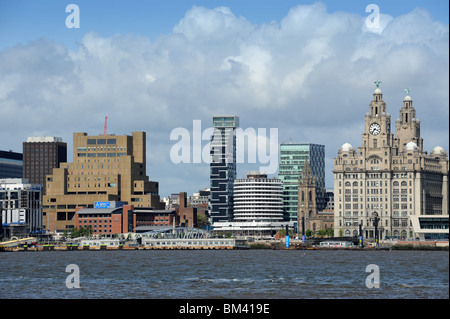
(377, 83)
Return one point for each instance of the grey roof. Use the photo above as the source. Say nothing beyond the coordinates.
(99, 211)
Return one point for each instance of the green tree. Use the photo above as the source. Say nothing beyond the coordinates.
(330, 232)
(322, 232)
(202, 221)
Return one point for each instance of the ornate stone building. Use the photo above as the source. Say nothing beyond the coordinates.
(389, 177)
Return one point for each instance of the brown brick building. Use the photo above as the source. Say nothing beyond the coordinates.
(125, 219)
(104, 168)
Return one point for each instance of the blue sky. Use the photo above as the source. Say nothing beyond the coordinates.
(25, 20)
(306, 68)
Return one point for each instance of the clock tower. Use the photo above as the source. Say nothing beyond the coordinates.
(387, 184)
(377, 139)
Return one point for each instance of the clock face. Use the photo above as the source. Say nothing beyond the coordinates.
(375, 129)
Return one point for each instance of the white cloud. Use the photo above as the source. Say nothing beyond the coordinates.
(310, 75)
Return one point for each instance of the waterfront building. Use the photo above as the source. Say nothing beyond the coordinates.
(40, 156)
(389, 180)
(292, 161)
(20, 207)
(119, 219)
(104, 168)
(258, 207)
(431, 227)
(258, 198)
(11, 164)
(222, 167)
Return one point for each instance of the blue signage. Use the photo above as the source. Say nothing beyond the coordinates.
(102, 205)
(287, 241)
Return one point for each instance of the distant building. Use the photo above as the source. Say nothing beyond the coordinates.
(20, 207)
(200, 199)
(223, 167)
(104, 168)
(187, 215)
(292, 160)
(40, 156)
(11, 164)
(389, 179)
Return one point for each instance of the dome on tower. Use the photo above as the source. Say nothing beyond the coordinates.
(377, 91)
(346, 147)
(411, 146)
(407, 98)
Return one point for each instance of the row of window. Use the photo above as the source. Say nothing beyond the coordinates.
(91, 155)
(100, 141)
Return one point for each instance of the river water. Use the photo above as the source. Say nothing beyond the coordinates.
(235, 274)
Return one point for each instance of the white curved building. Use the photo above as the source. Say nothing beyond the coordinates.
(258, 198)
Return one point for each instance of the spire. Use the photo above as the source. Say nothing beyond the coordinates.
(306, 172)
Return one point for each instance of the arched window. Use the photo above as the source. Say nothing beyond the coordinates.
(310, 196)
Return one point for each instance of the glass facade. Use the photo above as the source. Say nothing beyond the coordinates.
(292, 160)
(222, 167)
(11, 165)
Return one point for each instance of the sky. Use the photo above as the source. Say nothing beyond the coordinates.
(305, 68)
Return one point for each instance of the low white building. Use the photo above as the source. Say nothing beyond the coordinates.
(430, 227)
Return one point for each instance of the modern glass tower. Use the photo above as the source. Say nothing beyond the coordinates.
(223, 167)
(292, 160)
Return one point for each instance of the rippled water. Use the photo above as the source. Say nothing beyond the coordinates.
(242, 274)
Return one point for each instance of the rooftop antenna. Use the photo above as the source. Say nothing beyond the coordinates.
(104, 131)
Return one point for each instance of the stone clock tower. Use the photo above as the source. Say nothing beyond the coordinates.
(384, 186)
(377, 138)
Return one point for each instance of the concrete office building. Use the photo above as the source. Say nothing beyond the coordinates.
(292, 161)
(11, 164)
(20, 207)
(222, 167)
(389, 178)
(104, 168)
(40, 156)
